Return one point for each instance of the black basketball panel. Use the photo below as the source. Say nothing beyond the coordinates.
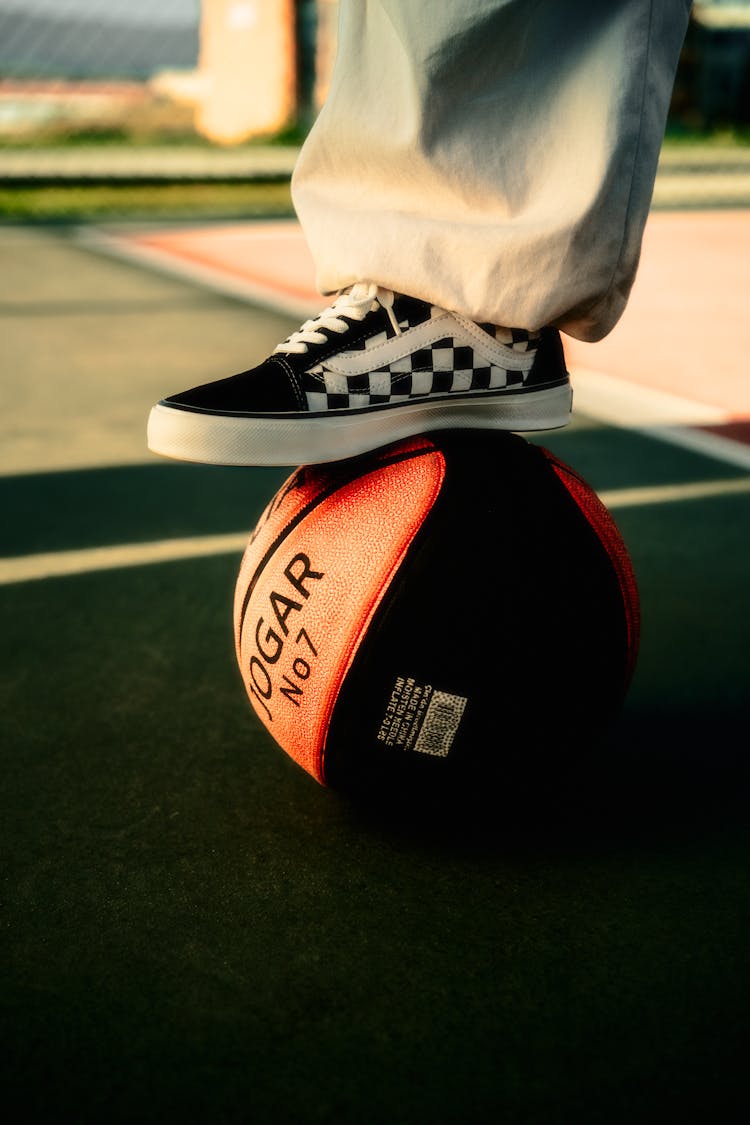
(502, 638)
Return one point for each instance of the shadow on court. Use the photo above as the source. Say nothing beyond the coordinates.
(131, 503)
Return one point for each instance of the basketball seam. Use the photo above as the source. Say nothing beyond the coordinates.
(331, 490)
(608, 534)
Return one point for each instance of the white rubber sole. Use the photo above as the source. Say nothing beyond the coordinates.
(300, 439)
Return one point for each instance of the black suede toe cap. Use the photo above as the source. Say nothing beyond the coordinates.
(268, 388)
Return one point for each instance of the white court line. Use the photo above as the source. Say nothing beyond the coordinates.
(673, 493)
(655, 414)
(699, 441)
(60, 564)
(609, 398)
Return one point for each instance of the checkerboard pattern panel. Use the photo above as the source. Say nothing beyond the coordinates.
(444, 368)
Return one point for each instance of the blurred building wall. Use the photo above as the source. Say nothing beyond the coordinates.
(248, 65)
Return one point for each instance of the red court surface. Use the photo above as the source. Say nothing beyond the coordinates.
(678, 355)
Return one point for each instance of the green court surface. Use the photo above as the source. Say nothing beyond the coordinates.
(193, 929)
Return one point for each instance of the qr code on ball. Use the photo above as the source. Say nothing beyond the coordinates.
(440, 724)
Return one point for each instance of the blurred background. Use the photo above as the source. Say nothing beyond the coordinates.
(188, 106)
(199, 106)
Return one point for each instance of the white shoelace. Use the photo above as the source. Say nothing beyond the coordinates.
(354, 303)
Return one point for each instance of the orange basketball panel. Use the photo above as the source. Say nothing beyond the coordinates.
(313, 575)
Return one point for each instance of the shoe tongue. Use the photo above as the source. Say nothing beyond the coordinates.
(361, 291)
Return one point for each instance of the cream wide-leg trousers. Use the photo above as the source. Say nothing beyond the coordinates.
(494, 157)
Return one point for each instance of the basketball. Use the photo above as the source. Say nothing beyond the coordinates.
(457, 605)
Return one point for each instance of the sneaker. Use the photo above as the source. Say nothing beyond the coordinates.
(372, 369)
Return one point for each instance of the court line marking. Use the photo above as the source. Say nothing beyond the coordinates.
(88, 560)
(699, 441)
(649, 494)
(655, 414)
(620, 402)
(258, 292)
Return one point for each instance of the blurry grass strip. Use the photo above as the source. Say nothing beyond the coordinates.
(60, 564)
(76, 201)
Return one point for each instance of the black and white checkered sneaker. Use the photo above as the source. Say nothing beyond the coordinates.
(372, 369)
